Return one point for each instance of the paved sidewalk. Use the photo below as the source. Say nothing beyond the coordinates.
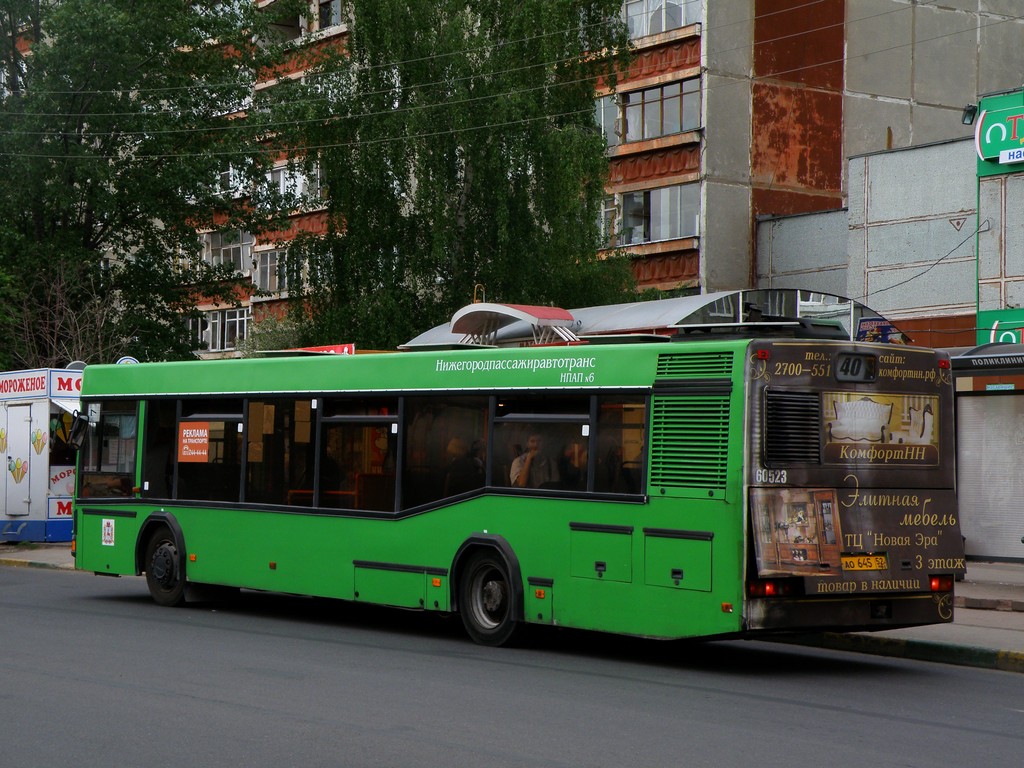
(987, 630)
(37, 555)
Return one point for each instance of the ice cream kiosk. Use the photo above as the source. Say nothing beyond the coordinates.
(37, 480)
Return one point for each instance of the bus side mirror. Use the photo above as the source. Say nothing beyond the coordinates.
(79, 426)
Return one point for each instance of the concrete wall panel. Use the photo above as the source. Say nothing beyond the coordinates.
(961, 5)
(801, 243)
(989, 297)
(932, 181)
(919, 242)
(726, 244)
(727, 23)
(823, 280)
(857, 196)
(990, 238)
(878, 57)
(856, 271)
(905, 291)
(797, 138)
(1002, 54)
(933, 124)
(1014, 290)
(872, 124)
(727, 154)
(1002, 7)
(1013, 255)
(945, 56)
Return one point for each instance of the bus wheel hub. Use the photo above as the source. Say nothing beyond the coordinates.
(162, 566)
(494, 596)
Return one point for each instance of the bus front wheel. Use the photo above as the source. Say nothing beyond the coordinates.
(487, 600)
(164, 575)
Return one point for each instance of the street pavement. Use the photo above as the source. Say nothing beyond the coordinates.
(987, 629)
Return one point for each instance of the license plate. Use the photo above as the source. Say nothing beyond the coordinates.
(865, 563)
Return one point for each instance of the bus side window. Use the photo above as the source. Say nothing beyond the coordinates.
(543, 441)
(279, 454)
(209, 450)
(356, 463)
(108, 455)
(531, 453)
(620, 460)
(440, 438)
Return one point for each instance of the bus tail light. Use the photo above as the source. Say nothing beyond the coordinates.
(941, 583)
(763, 354)
(771, 588)
(944, 364)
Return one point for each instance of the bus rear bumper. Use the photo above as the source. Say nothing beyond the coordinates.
(862, 613)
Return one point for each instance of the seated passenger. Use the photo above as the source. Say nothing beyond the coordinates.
(531, 468)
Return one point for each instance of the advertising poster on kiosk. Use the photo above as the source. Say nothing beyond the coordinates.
(38, 478)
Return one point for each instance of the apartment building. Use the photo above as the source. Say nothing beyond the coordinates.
(773, 98)
(220, 329)
(734, 110)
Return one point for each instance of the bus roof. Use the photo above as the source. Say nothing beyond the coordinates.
(598, 365)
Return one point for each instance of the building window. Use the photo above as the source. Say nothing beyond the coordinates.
(281, 181)
(650, 17)
(296, 183)
(662, 111)
(330, 13)
(270, 272)
(609, 221)
(230, 182)
(607, 116)
(235, 323)
(312, 183)
(221, 330)
(233, 247)
(284, 28)
(648, 216)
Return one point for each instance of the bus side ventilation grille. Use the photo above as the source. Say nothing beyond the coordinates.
(689, 443)
(678, 365)
(792, 427)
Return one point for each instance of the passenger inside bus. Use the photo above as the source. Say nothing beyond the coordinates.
(533, 468)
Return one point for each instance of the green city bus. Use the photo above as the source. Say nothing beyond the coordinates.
(707, 487)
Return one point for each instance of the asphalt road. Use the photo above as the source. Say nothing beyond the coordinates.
(92, 673)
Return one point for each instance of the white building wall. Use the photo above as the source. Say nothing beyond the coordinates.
(907, 239)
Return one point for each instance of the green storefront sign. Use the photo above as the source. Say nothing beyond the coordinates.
(999, 134)
(1005, 326)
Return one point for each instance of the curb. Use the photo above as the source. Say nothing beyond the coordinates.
(16, 562)
(989, 603)
(919, 650)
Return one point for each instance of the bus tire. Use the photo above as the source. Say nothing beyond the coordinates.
(487, 600)
(165, 576)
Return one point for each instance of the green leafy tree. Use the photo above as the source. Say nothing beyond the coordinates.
(116, 134)
(272, 333)
(457, 147)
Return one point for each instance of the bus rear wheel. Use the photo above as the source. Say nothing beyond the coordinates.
(487, 600)
(164, 575)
